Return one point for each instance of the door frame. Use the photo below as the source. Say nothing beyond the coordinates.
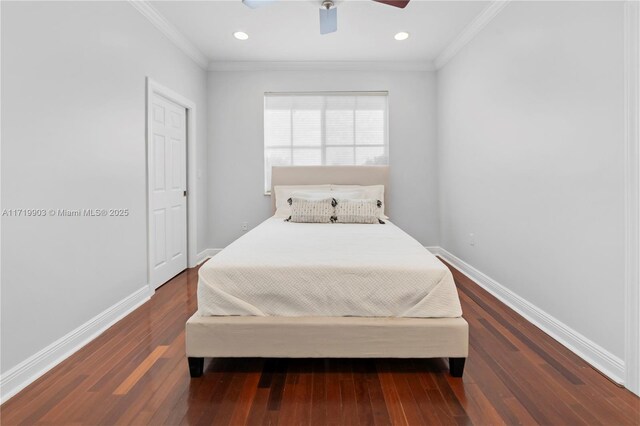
(632, 194)
(153, 87)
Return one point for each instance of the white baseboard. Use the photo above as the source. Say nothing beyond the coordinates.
(206, 254)
(434, 250)
(591, 352)
(23, 374)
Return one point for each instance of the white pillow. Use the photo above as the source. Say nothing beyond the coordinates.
(284, 192)
(375, 192)
(311, 195)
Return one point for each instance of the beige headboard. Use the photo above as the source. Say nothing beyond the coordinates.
(336, 175)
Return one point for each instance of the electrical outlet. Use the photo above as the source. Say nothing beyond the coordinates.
(244, 226)
(472, 239)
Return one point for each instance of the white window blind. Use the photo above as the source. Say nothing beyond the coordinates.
(324, 129)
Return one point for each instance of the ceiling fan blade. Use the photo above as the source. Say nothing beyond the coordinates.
(396, 3)
(255, 4)
(328, 20)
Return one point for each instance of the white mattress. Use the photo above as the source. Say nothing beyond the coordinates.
(306, 269)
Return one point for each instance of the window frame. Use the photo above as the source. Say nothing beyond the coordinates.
(323, 140)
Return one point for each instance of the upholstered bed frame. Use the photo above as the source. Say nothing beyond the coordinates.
(327, 337)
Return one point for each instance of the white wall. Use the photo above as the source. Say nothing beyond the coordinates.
(73, 136)
(236, 144)
(531, 160)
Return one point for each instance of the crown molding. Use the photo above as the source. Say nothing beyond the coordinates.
(184, 44)
(170, 31)
(320, 66)
(470, 32)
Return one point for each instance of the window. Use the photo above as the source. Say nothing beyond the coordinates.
(315, 129)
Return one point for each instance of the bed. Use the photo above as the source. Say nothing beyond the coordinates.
(308, 290)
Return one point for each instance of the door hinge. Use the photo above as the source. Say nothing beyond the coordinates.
(184, 193)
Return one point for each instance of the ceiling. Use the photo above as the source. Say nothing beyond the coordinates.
(289, 30)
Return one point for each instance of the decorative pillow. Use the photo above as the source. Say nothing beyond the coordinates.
(358, 211)
(375, 192)
(305, 210)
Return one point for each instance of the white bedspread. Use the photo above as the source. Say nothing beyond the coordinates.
(307, 269)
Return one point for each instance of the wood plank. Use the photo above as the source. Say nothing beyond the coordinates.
(391, 397)
(277, 385)
(348, 394)
(303, 394)
(140, 371)
(318, 394)
(332, 392)
(372, 381)
(248, 393)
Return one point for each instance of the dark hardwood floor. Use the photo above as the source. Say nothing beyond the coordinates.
(136, 373)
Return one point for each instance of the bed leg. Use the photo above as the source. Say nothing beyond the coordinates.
(456, 366)
(196, 365)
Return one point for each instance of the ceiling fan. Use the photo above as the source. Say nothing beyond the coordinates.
(328, 11)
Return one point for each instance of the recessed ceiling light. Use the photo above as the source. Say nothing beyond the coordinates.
(241, 35)
(401, 36)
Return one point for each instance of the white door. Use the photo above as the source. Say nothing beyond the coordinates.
(168, 198)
